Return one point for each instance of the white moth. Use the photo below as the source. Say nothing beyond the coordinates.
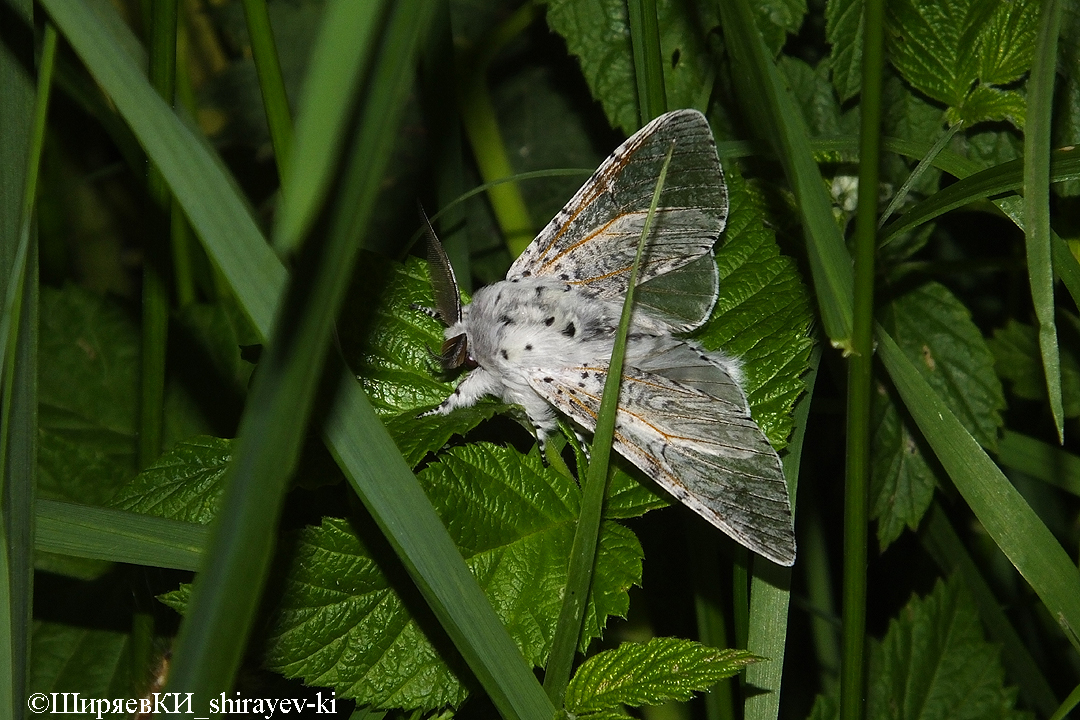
(543, 337)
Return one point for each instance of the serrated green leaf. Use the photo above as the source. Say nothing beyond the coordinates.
(389, 345)
(776, 19)
(955, 51)
(1007, 42)
(989, 103)
(844, 30)
(901, 481)
(816, 96)
(598, 34)
(628, 497)
(650, 673)
(762, 313)
(1016, 350)
(94, 663)
(343, 624)
(185, 483)
(936, 333)
(935, 663)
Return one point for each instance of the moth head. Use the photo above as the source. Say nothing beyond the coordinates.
(455, 353)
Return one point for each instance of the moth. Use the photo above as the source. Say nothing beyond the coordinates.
(542, 338)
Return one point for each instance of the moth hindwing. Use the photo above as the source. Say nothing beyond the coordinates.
(542, 338)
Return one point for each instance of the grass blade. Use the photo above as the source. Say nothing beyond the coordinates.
(583, 553)
(119, 536)
(648, 63)
(1040, 101)
(770, 585)
(1039, 460)
(268, 68)
(774, 110)
(375, 468)
(23, 116)
(341, 58)
(1004, 513)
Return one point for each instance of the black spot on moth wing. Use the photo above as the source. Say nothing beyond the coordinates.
(525, 273)
(529, 346)
(506, 320)
(550, 321)
(539, 291)
(564, 276)
(569, 330)
(505, 355)
(549, 379)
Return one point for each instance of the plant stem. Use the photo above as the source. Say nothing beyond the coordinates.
(852, 672)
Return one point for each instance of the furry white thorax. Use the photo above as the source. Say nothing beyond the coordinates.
(517, 327)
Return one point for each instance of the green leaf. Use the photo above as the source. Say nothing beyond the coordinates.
(901, 480)
(389, 345)
(628, 497)
(598, 34)
(185, 483)
(816, 96)
(513, 520)
(989, 103)
(650, 673)
(955, 51)
(934, 662)
(844, 30)
(762, 314)
(1007, 42)
(93, 663)
(1016, 350)
(936, 333)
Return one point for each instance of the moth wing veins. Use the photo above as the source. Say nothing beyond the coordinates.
(707, 453)
(592, 241)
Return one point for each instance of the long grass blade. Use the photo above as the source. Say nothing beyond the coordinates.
(22, 115)
(583, 552)
(268, 68)
(770, 584)
(373, 465)
(101, 533)
(1040, 106)
(341, 58)
(1007, 517)
(773, 109)
(648, 63)
(155, 291)
(1040, 460)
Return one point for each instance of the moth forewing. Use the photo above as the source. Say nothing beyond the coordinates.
(592, 241)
